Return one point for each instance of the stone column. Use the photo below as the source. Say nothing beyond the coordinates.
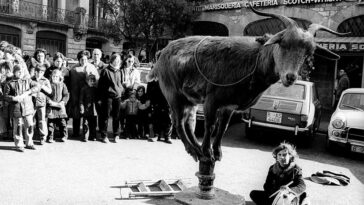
(44, 9)
(97, 14)
(61, 10)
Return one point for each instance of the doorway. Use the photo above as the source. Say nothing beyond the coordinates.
(353, 64)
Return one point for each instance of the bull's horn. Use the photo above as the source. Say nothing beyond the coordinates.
(288, 22)
(313, 28)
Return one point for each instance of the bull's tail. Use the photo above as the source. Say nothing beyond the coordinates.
(152, 75)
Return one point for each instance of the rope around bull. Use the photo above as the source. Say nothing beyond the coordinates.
(218, 84)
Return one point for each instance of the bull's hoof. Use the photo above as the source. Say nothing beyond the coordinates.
(194, 154)
(217, 153)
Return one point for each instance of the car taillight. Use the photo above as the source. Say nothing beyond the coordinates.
(338, 124)
(303, 122)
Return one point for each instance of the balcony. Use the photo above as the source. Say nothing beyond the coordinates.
(40, 12)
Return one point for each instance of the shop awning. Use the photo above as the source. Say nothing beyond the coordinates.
(340, 40)
(351, 44)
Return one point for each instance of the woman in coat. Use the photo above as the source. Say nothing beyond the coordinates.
(77, 77)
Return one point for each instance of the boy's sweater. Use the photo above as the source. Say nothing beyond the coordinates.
(16, 87)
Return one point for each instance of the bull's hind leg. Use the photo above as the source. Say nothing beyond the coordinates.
(190, 126)
(179, 114)
(224, 115)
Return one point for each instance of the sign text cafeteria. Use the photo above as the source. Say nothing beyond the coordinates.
(343, 46)
(258, 3)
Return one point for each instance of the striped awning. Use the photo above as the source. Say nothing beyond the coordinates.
(340, 40)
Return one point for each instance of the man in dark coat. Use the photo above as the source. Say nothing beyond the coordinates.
(110, 90)
(161, 119)
(343, 84)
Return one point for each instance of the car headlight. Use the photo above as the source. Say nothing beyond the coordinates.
(338, 124)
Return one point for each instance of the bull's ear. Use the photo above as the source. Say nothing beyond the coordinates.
(325, 53)
(276, 38)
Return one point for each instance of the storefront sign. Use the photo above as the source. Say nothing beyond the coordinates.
(258, 3)
(356, 47)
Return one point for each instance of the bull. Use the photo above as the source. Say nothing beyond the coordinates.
(226, 74)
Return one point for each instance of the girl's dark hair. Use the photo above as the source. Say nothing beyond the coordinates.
(140, 87)
(83, 53)
(39, 50)
(286, 146)
(7, 65)
(58, 55)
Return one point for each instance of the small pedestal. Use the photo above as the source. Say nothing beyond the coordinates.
(222, 197)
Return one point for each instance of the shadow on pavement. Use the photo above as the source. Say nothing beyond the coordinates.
(8, 148)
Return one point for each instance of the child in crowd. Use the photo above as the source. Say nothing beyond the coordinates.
(4, 114)
(40, 101)
(132, 106)
(18, 93)
(39, 58)
(283, 174)
(88, 108)
(56, 107)
(143, 115)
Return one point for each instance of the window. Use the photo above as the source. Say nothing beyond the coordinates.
(295, 91)
(352, 101)
(354, 25)
(271, 26)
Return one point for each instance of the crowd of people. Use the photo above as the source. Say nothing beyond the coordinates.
(37, 96)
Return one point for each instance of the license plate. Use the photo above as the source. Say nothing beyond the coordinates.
(274, 117)
(358, 149)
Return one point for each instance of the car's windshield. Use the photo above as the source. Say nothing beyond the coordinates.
(295, 91)
(352, 101)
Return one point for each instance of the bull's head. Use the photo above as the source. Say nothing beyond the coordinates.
(293, 46)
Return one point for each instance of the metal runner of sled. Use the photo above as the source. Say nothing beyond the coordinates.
(150, 188)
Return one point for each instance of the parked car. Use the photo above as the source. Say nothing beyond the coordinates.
(144, 69)
(346, 125)
(295, 109)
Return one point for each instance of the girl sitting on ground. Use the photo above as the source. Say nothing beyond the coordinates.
(283, 174)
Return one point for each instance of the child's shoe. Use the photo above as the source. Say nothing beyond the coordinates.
(30, 147)
(63, 139)
(117, 139)
(105, 140)
(50, 141)
(20, 149)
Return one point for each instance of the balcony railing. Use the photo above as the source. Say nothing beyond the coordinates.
(46, 13)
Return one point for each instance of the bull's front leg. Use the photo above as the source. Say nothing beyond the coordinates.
(224, 115)
(206, 143)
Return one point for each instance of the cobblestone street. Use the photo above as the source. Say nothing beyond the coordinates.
(91, 173)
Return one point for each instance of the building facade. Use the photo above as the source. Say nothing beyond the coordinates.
(233, 18)
(67, 26)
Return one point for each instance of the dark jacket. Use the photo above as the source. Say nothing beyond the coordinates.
(110, 83)
(88, 101)
(40, 98)
(278, 177)
(343, 84)
(59, 93)
(156, 97)
(17, 87)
